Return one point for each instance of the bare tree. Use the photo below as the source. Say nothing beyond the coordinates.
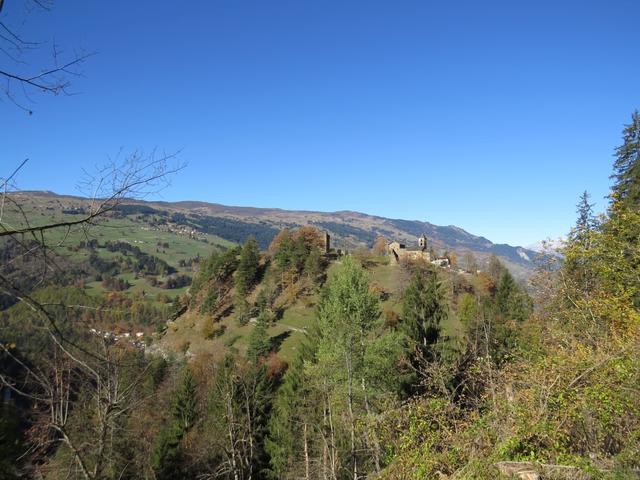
(470, 262)
(238, 402)
(19, 78)
(71, 372)
(134, 177)
(380, 246)
(79, 388)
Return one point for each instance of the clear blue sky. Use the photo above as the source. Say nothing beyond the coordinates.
(492, 116)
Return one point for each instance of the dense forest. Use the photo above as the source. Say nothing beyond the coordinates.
(537, 380)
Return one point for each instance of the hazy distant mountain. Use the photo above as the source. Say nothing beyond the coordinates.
(548, 246)
(348, 229)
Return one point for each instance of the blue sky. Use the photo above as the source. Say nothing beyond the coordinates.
(492, 116)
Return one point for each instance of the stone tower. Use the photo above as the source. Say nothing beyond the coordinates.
(422, 242)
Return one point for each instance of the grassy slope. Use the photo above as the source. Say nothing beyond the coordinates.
(188, 329)
(288, 332)
(131, 229)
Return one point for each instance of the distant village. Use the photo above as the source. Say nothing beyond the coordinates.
(135, 339)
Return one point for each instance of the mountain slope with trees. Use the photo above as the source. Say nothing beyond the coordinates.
(349, 230)
(406, 371)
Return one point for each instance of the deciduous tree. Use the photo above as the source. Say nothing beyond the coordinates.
(379, 246)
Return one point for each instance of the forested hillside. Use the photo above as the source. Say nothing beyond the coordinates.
(283, 359)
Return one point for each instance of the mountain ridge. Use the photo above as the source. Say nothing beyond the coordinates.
(349, 229)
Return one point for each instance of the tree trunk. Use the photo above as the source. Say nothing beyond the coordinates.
(351, 416)
(371, 433)
(230, 432)
(306, 453)
(333, 457)
(325, 446)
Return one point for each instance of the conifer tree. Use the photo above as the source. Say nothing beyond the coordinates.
(247, 270)
(504, 292)
(167, 455)
(586, 220)
(296, 417)
(259, 344)
(511, 300)
(626, 168)
(299, 251)
(280, 248)
(286, 423)
(313, 264)
(581, 237)
(183, 408)
(423, 309)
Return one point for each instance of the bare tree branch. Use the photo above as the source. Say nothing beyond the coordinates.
(19, 79)
(135, 178)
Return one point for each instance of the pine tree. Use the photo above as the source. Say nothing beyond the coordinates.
(259, 343)
(183, 407)
(280, 248)
(299, 252)
(167, 454)
(626, 168)
(581, 238)
(286, 422)
(511, 300)
(586, 220)
(246, 276)
(296, 417)
(165, 459)
(313, 264)
(210, 302)
(242, 309)
(506, 289)
(247, 270)
(262, 300)
(423, 309)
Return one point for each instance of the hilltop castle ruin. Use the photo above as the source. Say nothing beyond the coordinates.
(400, 252)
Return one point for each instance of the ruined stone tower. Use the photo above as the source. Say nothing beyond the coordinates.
(422, 242)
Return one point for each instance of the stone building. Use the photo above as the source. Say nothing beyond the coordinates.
(399, 251)
(327, 242)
